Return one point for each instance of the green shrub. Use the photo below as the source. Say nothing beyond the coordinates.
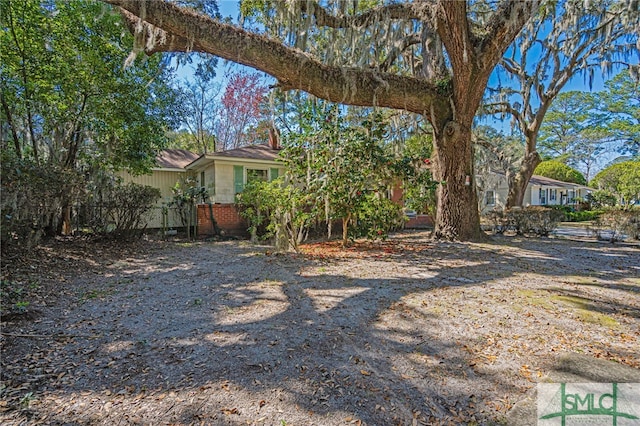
(131, 205)
(536, 220)
(278, 211)
(499, 221)
(284, 213)
(32, 197)
(376, 217)
(573, 215)
(616, 225)
(121, 210)
(583, 215)
(601, 198)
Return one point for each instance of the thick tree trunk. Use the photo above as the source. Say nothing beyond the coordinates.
(518, 185)
(457, 215)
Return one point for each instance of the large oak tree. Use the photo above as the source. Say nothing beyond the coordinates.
(432, 58)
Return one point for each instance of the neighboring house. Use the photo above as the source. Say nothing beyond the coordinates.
(541, 191)
(170, 168)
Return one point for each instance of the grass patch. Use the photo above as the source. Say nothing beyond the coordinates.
(536, 298)
(585, 311)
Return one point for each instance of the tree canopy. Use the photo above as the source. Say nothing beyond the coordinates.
(557, 170)
(430, 58)
(65, 95)
(621, 103)
(621, 179)
(575, 131)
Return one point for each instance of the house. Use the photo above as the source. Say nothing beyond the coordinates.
(224, 174)
(169, 169)
(541, 191)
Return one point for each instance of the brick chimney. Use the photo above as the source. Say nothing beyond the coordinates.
(274, 138)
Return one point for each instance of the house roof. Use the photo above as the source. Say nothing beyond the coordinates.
(255, 152)
(545, 181)
(174, 158)
(250, 152)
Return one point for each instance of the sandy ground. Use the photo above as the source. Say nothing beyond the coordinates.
(405, 332)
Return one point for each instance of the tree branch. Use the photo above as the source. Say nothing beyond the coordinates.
(396, 51)
(188, 31)
(503, 108)
(391, 11)
(503, 27)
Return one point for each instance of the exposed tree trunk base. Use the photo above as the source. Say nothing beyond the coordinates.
(66, 221)
(453, 234)
(457, 215)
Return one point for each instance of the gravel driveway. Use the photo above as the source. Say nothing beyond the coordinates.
(403, 332)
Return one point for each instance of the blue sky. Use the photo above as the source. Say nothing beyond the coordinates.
(230, 8)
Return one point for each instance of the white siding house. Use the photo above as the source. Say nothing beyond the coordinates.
(541, 191)
(223, 174)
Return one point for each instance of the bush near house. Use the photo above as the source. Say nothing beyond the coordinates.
(376, 217)
(278, 211)
(31, 200)
(286, 212)
(615, 225)
(533, 220)
(573, 215)
(601, 198)
(121, 210)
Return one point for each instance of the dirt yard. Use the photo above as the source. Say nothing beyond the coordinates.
(406, 332)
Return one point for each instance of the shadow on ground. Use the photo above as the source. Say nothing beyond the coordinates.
(413, 333)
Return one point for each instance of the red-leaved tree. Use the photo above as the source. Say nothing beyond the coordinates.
(242, 111)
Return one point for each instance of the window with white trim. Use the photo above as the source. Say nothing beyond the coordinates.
(542, 195)
(490, 198)
(256, 174)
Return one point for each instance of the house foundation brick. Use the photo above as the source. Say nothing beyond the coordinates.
(420, 221)
(226, 216)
